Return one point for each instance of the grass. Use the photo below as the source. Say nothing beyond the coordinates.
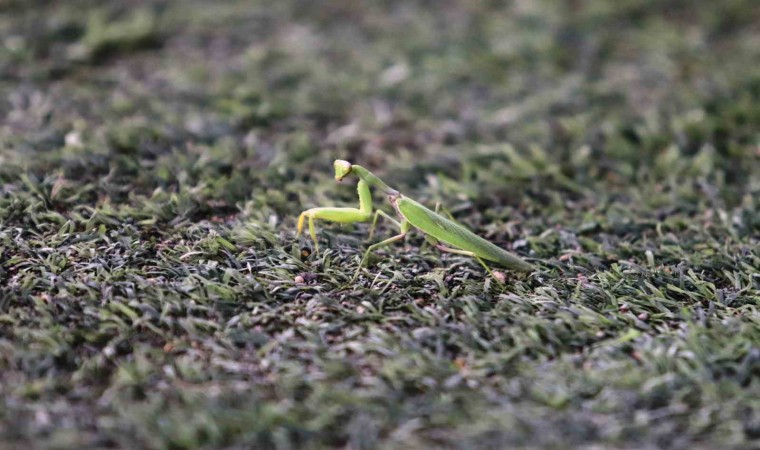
(154, 159)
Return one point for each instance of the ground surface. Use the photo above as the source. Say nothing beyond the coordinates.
(154, 158)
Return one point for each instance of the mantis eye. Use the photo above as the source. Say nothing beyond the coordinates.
(342, 169)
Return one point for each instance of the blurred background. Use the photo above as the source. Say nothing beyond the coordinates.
(248, 101)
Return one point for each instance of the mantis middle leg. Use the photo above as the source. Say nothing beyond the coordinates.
(404, 228)
(378, 213)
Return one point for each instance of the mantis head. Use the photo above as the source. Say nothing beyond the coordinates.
(342, 169)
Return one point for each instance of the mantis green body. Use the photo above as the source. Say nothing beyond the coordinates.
(436, 228)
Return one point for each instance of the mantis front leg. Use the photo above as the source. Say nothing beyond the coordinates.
(342, 215)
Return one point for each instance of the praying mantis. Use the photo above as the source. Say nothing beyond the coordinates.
(436, 228)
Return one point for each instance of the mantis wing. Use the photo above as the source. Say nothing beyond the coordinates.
(454, 234)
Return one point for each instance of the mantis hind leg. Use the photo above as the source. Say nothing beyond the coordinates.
(438, 208)
(443, 248)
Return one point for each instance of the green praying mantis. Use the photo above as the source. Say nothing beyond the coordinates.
(436, 228)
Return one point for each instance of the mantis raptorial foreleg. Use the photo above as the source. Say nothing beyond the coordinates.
(342, 215)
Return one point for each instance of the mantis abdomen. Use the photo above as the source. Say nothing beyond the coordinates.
(454, 234)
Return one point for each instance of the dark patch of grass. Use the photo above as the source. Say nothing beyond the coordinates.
(153, 161)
